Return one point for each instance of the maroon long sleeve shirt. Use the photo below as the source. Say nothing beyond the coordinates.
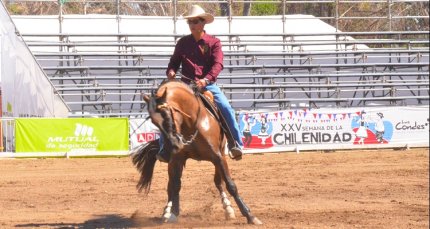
(199, 59)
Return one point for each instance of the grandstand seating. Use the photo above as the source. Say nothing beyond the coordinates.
(108, 78)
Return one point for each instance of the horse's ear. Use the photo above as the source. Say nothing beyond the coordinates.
(162, 93)
(146, 98)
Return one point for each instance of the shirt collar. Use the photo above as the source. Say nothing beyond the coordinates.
(204, 38)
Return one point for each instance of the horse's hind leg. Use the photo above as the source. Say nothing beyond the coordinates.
(222, 168)
(226, 204)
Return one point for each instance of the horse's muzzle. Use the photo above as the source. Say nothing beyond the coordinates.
(177, 143)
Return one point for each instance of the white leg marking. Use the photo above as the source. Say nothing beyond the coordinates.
(228, 209)
(168, 217)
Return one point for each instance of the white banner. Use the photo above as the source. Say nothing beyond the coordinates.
(320, 129)
(336, 128)
(142, 131)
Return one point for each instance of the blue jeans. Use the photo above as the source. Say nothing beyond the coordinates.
(226, 110)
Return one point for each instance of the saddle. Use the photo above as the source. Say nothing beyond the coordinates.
(208, 101)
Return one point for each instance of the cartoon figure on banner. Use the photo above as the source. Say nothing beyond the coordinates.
(256, 130)
(263, 135)
(362, 129)
(372, 128)
(379, 128)
(248, 121)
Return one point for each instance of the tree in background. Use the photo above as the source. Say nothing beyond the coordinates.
(225, 10)
(373, 16)
(262, 9)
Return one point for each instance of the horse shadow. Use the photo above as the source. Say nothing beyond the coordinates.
(102, 221)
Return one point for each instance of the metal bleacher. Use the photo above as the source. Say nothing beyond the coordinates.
(100, 83)
(108, 74)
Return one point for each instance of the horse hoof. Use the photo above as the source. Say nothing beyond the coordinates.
(255, 221)
(171, 218)
(229, 213)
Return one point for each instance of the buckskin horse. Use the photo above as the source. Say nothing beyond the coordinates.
(190, 131)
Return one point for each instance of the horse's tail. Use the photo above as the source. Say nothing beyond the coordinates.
(144, 158)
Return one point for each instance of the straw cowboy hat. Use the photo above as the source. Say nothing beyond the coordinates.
(197, 11)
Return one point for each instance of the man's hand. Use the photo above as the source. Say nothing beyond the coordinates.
(171, 75)
(201, 83)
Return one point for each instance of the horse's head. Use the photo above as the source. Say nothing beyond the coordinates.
(166, 110)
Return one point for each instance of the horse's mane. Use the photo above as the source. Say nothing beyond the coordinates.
(172, 84)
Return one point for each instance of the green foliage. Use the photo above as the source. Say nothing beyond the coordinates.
(262, 9)
(365, 6)
(73, 8)
(16, 9)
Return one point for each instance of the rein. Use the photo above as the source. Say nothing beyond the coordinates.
(165, 105)
(178, 135)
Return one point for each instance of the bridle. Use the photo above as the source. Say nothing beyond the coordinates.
(171, 108)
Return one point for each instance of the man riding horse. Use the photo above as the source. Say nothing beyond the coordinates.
(201, 58)
(190, 127)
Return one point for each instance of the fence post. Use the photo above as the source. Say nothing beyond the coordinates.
(1, 124)
(337, 16)
(389, 2)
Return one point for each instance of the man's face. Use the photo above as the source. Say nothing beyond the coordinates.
(196, 25)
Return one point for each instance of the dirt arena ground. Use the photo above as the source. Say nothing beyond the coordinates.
(360, 189)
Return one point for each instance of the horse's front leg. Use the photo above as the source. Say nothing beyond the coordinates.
(171, 211)
(226, 204)
(222, 167)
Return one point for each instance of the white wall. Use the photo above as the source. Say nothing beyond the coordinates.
(26, 90)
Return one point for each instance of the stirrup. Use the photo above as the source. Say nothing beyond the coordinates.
(236, 153)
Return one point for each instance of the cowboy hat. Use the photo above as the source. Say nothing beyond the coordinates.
(197, 11)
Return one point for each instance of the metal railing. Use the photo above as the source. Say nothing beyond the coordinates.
(383, 15)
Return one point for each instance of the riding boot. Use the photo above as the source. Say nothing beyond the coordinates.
(162, 155)
(236, 152)
(233, 146)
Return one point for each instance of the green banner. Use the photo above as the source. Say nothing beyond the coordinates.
(71, 134)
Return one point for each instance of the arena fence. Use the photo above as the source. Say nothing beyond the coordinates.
(290, 130)
(292, 91)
